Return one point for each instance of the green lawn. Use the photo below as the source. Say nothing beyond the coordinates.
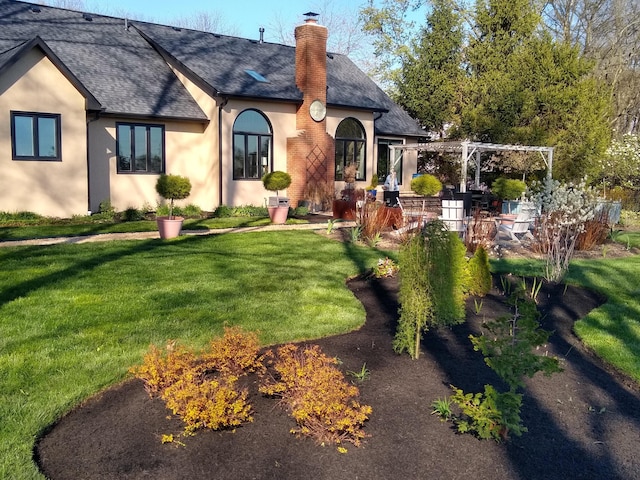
(612, 331)
(73, 318)
(94, 228)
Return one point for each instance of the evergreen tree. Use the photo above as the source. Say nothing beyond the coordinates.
(432, 74)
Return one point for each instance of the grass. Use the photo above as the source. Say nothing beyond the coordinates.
(612, 331)
(72, 229)
(74, 318)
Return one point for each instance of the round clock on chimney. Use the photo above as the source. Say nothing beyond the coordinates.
(317, 110)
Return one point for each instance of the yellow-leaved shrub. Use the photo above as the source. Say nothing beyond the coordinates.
(324, 405)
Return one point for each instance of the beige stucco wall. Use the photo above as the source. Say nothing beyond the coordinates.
(191, 150)
(282, 118)
(52, 188)
(188, 152)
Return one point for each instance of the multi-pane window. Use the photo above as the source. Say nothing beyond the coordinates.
(252, 146)
(140, 148)
(350, 148)
(35, 136)
(386, 162)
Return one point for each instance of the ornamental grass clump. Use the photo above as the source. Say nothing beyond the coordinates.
(324, 405)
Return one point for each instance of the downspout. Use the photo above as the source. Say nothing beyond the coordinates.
(89, 121)
(223, 104)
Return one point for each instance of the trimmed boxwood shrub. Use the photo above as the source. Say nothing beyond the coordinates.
(426, 185)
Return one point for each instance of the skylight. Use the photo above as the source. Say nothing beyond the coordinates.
(256, 76)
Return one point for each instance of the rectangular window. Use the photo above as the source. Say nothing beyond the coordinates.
(35, 136)
(386, 163)
(140, 148)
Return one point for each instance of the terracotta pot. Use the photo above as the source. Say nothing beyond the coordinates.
(278, 215)
(169, 227)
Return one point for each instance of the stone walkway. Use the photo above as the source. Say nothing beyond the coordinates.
(104, 237)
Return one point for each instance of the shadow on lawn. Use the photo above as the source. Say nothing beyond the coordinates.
(548, 442)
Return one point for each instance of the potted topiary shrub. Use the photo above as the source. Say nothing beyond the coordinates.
(278, 207)
(171, 187)
(426, 185)
(509, 190)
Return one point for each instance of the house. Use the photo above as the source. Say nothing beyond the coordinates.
(94, 108)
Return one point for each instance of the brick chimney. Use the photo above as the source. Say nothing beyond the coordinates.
(311, 154)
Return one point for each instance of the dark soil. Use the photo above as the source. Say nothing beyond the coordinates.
(584, 423)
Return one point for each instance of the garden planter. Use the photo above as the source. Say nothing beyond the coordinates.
(511, 206)
(344, 209)
(169, 227)
(278, 215)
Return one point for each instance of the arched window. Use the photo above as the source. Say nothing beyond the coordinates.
(350, 148)
(252, 146)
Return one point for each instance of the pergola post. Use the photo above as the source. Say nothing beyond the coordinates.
(465, 159)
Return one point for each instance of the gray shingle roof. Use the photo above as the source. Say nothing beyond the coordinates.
(125, 73)
(116, 65)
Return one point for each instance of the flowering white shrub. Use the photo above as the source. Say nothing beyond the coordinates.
(621, 163)
(564, 210)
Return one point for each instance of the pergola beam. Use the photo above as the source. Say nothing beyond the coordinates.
(467, 149)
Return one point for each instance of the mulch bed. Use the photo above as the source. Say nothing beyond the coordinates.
(584, 423)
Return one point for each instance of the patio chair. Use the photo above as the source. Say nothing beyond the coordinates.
(520, 226)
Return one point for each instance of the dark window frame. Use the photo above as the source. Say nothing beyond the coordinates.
(132, 142)
(342, 146)
(382, 173)
(259, 137)
(35, 116)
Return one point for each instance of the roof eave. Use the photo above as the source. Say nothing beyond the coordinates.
(155, 117)
(174, 62)
(91, 102)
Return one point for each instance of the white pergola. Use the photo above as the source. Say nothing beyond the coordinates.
(468, 150)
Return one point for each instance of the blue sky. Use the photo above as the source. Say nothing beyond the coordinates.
(244, 17)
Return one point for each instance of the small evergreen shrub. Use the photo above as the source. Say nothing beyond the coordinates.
(426, 185)
(173, 187)
(508, 188)
(508, 348)
(223, 211)
(301, 211)
(447, 274)
(132, 214)
(416, 304)
(433, 282)
(480, 280)
(192, 211)
(324, 405)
